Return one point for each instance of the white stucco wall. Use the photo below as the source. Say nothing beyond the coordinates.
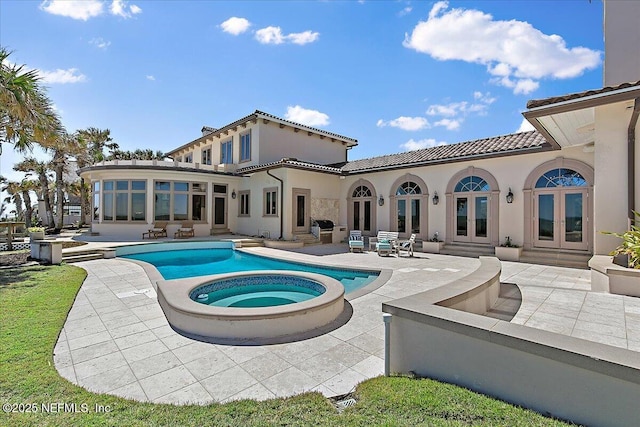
(610, 174)
(510, 172)
(284, 142)
(257, 224)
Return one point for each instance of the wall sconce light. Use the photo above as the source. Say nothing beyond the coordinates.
(436, 199)
(510, 196)
(233, 194)
(381, 201)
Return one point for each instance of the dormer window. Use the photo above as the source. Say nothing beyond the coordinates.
(226, 152)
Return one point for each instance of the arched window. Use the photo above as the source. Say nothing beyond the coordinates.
(472, 183)
(561, 177)
(408, 188)
(362, 191)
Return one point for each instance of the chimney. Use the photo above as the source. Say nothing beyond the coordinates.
(621, 42)
(206, 130)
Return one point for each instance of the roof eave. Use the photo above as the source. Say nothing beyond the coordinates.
(589, 101)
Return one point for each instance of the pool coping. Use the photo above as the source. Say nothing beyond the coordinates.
(248, 323)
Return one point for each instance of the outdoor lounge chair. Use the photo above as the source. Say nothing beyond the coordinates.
(355, 241)
(391, 236)
(159, 229)
(185, 230)
(406, 245)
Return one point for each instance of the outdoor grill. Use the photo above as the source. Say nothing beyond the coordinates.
(325, 230)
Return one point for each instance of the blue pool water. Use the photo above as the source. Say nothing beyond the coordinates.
(257, 291)
(178, 264)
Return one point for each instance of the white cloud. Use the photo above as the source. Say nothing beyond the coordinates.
(306, 117)
(449, 123)
(100, 43)
(274, 35)
(405, 123)
(86, 9)
(515, 53)
(407, 10)
(76, 9)
(120, 8)
(150, 78)
(235, 25)
(451, 109)
(525, 126)
(303, 38)
(59, 76)
(464, 108)
(420, 144)
(270, 35)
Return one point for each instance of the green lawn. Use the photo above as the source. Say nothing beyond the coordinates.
(34, 303)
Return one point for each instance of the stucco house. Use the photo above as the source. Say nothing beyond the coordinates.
(551, 189)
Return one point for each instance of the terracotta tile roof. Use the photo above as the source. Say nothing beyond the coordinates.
(534, 103)
(487, 147)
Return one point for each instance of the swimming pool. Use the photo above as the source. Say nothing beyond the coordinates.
(193, 262)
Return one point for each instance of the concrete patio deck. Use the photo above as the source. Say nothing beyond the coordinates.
(116, 339)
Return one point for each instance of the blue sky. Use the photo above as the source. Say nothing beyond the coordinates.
(395, 75)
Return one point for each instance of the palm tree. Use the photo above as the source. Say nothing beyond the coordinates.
(26, 187)
(137, 154)
(26, 113)
(60, 148)
(31, 164)
(12, 188)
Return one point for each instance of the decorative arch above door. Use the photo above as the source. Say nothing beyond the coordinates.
(473, 200)
(558, 206)
(361, 207)
(409, 206)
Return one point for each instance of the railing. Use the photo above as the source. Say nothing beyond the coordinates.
(225, 168)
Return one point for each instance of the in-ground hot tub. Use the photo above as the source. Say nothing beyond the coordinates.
(257, 305)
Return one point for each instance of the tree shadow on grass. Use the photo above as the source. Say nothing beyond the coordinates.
(19, 277)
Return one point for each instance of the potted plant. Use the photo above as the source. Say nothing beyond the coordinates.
(508, 251)
(629, 249)
(619, 274)
(36, 233)
(433, 245)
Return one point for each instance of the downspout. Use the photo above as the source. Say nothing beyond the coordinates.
(281, 201)
(631, 162)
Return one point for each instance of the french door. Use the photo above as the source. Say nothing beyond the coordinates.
(301, 201)
(560, 219)
(408, 217)
(219, 206)
(471, 218)
(362, 216)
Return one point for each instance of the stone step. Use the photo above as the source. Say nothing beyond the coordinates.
(218, 231)
(570, 259)
(70, 259)
(307, 238)
(469, 250)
